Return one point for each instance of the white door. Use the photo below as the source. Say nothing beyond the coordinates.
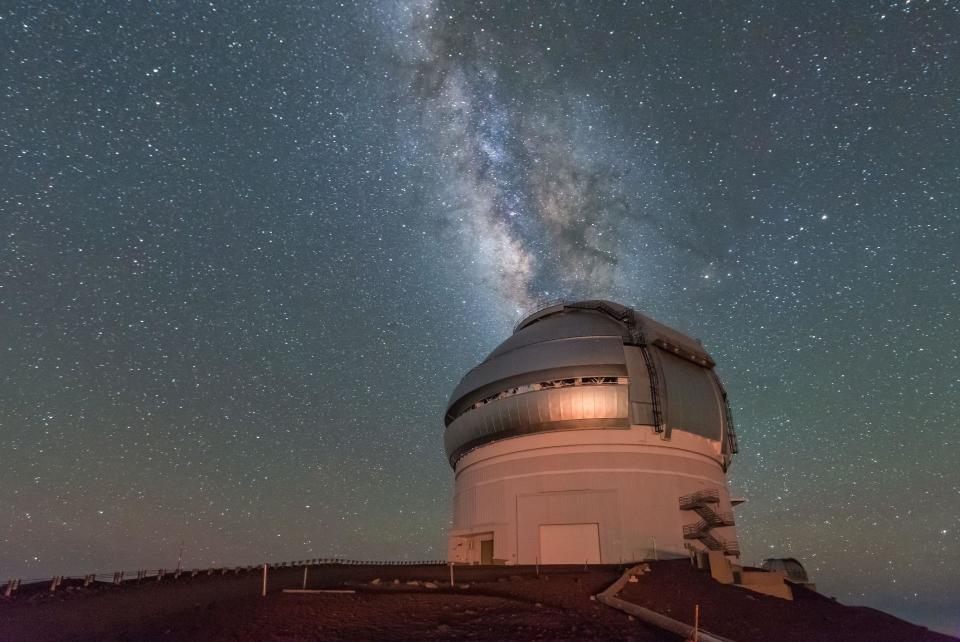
(569, 543)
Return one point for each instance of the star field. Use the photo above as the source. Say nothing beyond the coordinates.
(248, 249)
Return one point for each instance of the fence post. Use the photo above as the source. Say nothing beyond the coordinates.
(263, 592)
(305, 577)
(12, 586)
(696, 623)
(160, 574)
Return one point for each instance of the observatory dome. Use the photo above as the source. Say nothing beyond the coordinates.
(592, 434)
(589, 364)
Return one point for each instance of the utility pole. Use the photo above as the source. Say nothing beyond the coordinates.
(180, 558)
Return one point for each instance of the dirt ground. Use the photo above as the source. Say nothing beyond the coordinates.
(491, 603)
(488, 603)
(674, 588)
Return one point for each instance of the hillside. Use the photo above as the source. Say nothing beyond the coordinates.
(489, 603)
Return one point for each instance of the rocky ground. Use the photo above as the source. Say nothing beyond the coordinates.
(673, 588)
(418, 603)
(405, 603)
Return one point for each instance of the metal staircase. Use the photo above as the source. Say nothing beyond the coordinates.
(702, 503)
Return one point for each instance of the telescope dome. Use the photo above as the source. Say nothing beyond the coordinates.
(592, 434)
(589, 365)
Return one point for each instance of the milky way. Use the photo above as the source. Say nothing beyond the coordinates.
(529, 188)
(248, 249)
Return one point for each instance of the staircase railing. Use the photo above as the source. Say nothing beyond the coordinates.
(703, 503)
(689, 502)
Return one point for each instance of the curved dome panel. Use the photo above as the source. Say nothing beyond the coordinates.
(562, 326)
(558, 358)
(590, 364)
(693, 402)
(565, 408)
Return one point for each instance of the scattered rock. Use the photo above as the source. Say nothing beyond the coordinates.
(430, 585)
(633, 579)
(631, 618)
(413, 583)
(593, 598)
(463, 586)
(395, 582)
(538, 605)
(375, 581)
(443, 628)
(515, 578)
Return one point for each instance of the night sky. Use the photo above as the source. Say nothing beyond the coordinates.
(248, 249)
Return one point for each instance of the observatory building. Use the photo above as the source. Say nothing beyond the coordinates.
(592, 434)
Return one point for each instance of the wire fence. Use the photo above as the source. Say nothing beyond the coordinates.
(52, 584)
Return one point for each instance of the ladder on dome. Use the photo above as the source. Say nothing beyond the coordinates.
(702, 503)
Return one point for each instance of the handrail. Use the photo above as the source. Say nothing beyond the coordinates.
(709, 496)
(717, 519)
(539, 306)
(693, 531)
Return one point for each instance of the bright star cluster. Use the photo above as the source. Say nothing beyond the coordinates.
(248, 248)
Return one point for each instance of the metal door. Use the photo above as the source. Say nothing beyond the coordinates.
(486, 551)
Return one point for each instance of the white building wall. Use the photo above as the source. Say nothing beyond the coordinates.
(627, 481)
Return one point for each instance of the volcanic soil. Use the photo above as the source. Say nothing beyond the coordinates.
(674, 587)
(488, 603)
